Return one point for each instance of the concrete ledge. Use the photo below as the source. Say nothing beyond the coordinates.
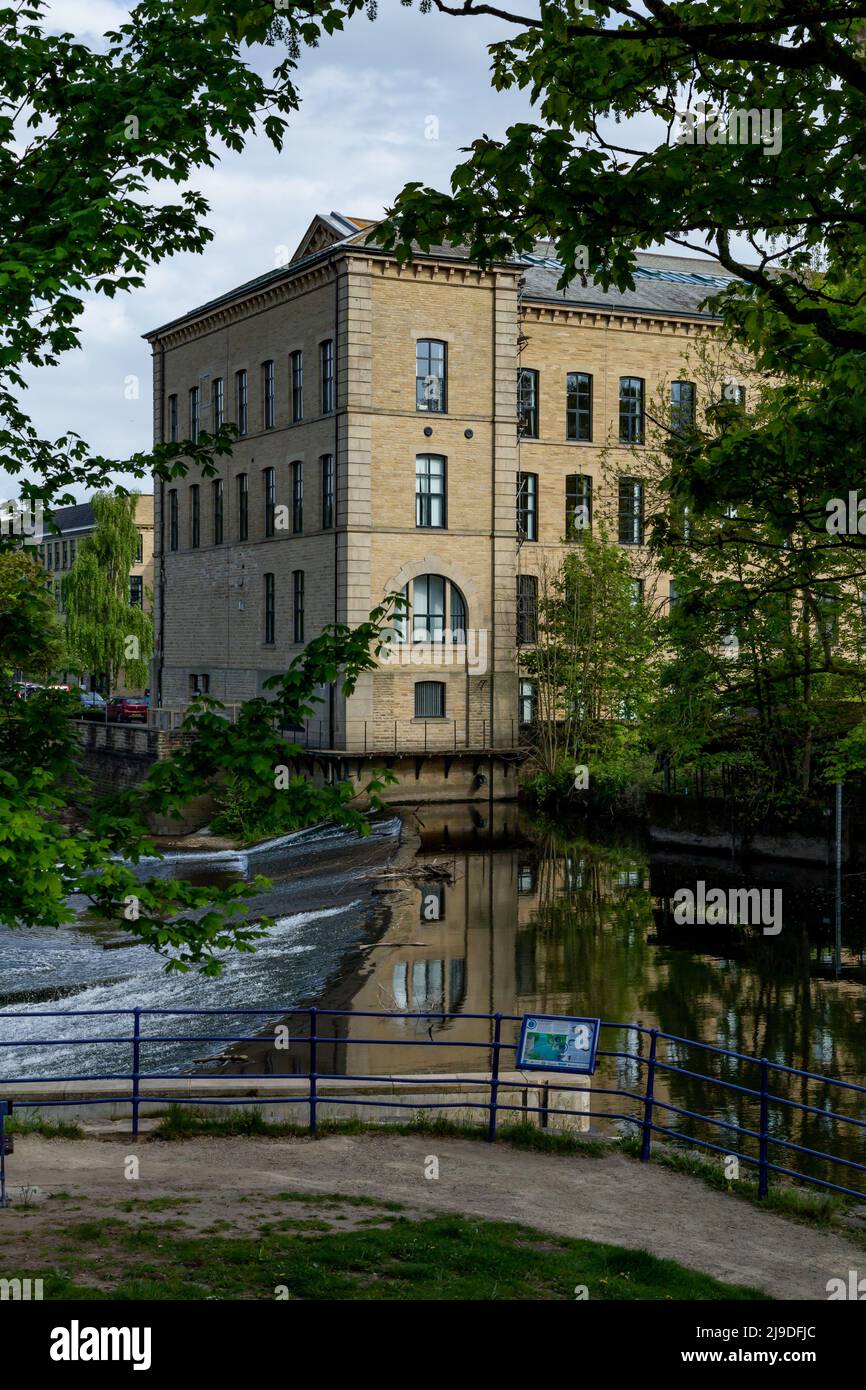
(465, 1099)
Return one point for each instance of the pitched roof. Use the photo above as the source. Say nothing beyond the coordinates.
(78, 517)
(663, 283)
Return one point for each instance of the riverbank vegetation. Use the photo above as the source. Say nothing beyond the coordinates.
(734, 639)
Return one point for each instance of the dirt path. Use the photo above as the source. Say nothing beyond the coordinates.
(610, 1198)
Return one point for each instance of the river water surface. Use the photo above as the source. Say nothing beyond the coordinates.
(519, 918)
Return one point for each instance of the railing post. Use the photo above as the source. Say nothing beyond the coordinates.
(494, 1078)
(763, 1171)
(649, 1095)
(136, 1068)
(5, 1108)
(313, 1065)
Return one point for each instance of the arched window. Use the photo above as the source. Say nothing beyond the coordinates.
(434, 610)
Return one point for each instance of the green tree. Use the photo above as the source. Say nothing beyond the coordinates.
(43, 795)
(592, 667)
(30, 635)
(765, 641)
(106, 633)
(84, 135)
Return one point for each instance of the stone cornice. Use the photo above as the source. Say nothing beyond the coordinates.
(295, 283)
(430, 271)
(635, 320)
(245, 306)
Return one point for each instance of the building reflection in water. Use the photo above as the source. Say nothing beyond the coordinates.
(521, 920)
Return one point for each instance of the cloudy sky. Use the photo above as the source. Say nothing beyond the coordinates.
(362, 132)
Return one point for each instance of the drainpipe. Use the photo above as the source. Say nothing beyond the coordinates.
(332, 694)
(161, 649)
(495, 365)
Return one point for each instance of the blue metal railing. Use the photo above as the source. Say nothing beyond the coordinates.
(655, 1061)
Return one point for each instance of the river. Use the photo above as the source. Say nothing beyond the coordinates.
(521, 919)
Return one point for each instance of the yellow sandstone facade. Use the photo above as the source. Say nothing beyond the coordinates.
(385, 447)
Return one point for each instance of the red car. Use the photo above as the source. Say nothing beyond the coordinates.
(128, 709)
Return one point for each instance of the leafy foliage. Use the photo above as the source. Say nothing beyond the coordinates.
(105, 632)
(46, 856)
(85, 135)
(30, 635)
(593, 673)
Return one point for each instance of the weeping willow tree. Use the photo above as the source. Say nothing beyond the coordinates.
(105, 633)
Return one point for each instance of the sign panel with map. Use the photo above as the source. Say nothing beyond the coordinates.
(551, 1042)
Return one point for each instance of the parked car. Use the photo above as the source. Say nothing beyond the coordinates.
(93, 705)
(128, 709)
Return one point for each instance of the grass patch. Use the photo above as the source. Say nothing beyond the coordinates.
(153, 1203)
(183, 1122)
(444, 1257)
(327, 1199)
(46, 1129)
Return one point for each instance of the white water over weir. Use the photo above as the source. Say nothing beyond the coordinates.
(322, 901)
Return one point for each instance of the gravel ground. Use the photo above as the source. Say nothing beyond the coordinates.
(610, 1198)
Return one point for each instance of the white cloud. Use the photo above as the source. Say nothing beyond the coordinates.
(358, 137)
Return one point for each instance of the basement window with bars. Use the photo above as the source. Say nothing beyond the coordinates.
(430, 700)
